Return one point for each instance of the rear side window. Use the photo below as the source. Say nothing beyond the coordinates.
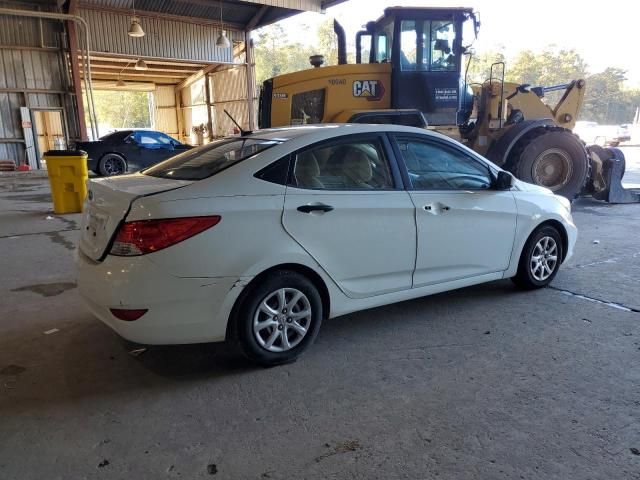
(352, 165)
(209, 159)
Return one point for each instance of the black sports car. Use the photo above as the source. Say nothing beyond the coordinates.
(129, 150)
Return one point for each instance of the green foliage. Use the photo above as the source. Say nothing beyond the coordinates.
(480, 66)
(120, 109)
(552, 66)
(606, 101)
(328, 43)
(275, 55)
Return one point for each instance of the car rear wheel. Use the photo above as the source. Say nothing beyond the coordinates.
(112, 164)
(279, 318)
(540, 259)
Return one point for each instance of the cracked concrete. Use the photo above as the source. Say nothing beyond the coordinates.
(482, 383)
(596, 300)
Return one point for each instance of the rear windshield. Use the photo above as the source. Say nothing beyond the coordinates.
(205, 161)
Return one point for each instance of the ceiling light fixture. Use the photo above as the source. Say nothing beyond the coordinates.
(135, 29)
(120, 82)
(141, 65)
(222, 41)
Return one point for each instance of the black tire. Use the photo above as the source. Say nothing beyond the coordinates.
(553, 158)
(112, 164)
(525, 278)
(249, 312)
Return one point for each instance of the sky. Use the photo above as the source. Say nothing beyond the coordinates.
(604, 34)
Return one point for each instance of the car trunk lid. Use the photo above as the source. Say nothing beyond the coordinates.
(108, 203)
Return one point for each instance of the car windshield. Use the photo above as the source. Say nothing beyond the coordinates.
(209, 159)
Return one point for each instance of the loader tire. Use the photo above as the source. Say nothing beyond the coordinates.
(553, 158)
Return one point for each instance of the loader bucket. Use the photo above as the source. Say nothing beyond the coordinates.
(613, 171)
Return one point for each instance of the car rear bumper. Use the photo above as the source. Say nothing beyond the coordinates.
(180, 310)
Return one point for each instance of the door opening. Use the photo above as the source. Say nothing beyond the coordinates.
(49, 131)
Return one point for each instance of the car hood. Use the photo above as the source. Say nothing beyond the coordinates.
(530, 187)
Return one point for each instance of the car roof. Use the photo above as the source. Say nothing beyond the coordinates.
(313, 133)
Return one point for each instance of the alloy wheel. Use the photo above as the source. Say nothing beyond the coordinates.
(282, 320)
(114, 165)
(544, 258)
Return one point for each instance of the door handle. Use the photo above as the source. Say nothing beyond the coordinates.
(436, 208)
(319, 207)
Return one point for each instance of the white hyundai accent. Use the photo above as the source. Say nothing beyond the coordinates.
(257, 239)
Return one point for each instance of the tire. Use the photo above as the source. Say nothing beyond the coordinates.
(266, 345)
(529, 275)
(112, 164)
(553, 158)
(614, 144)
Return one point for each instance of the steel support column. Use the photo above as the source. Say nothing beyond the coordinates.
(251, 79)
(207, 95)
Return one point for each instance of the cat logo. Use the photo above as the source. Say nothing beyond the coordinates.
(370, 89)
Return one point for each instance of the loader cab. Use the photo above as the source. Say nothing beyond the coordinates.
(425, 48)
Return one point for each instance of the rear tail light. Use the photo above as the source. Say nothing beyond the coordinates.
(146, 236)
(128, 315)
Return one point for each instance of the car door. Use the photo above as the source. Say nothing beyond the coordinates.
(131, 149)
(465, 227)
(153, 149)
(345, 206)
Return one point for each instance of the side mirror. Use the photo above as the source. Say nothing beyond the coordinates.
(504, 181)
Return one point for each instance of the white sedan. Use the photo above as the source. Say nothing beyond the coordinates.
(257, 239)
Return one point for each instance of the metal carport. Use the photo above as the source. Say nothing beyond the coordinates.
(43, 67)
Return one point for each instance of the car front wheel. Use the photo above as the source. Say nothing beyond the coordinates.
(112, 164)
(540, 259)
(279, 318)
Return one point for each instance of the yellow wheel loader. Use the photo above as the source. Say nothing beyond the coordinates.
(409, 70)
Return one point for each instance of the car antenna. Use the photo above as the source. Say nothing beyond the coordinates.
(243, 133)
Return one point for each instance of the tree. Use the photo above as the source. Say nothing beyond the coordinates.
(480, 66)
(122, 109)
(328, 42)
(552, 66)
(276, 56)
(605, 101)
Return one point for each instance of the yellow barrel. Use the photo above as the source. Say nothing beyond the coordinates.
(68, 174)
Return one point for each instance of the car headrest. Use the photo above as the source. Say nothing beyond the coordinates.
(306, 166)
(357, 166)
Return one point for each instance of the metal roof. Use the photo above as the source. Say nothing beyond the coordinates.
(247, 14)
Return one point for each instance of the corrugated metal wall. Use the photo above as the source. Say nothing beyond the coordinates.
(229, 91)
(194, 109)
(163, 38)
(28, 32)
(309, 5)
(165, 115)
(32, 74)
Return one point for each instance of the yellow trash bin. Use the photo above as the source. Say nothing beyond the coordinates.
(68, 174)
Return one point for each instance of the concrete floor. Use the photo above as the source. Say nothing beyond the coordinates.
(482, 383)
